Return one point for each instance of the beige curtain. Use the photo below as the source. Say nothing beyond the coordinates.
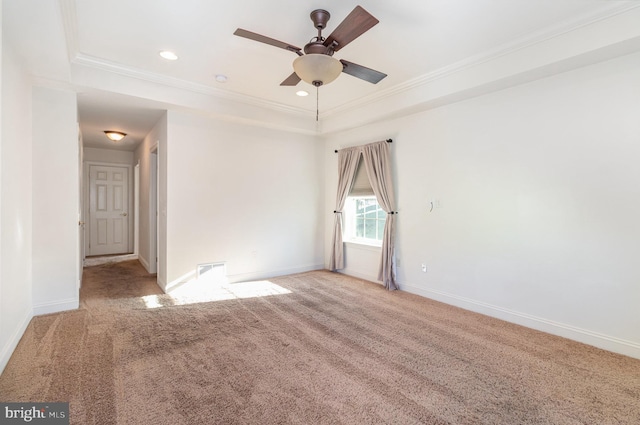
(377, 161)
(347, 163)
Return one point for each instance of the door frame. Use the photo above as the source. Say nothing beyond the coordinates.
(87, 204)
(81, 204)
(154, 210)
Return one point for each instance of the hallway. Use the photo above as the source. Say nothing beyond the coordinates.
(116, 281)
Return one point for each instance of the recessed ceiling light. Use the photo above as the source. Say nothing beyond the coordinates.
(168, 55)
(221, 78)
(302, 93)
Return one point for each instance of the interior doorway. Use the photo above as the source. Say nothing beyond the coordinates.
(108, 212)
(153, 210)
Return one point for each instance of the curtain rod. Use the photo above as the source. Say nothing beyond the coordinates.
(388, 141)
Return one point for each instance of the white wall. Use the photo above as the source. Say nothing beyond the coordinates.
(539, 190)
(246, 196)
(55, 200)
(15, 204)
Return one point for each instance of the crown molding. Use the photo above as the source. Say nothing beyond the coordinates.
(77, 58)
(546, 34)
(70, 26)
(69, 19)
(89, 61)
(50, 83)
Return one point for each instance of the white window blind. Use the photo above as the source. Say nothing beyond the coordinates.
(361, 185)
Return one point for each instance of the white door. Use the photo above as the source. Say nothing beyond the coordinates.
(108, 210)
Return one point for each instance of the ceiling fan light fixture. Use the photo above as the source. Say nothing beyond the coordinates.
(115, 136)
(317, 69)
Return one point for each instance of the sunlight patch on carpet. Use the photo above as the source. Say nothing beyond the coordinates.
(203, 290)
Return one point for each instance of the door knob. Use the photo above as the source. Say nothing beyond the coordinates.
(124, 214)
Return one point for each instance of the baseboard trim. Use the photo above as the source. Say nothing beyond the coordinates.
(364, 276)
(585, 336)
(97, 261)
(12, 343)
(243, 277)
(55, 306)
(144, 263)
(162, 284)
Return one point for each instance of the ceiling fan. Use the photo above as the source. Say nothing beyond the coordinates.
(316, 65)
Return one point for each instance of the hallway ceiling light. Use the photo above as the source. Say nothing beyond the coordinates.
(116, 136)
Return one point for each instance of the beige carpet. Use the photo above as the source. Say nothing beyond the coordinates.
(323, 349)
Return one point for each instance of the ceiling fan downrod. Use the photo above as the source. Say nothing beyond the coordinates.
(320, 17)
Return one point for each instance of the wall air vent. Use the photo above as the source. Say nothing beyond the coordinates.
(213, 272)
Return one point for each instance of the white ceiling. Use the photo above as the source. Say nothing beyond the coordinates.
(60, 39)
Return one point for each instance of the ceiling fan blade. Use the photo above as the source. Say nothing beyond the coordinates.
(355, 24)
(263, 39)
(292, 80)
(362, 72)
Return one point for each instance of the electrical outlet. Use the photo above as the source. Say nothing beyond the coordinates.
(424, 267)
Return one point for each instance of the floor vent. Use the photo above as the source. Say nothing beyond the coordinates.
(215, 272)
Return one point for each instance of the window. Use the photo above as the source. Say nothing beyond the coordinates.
(364, 220)
(363, 217)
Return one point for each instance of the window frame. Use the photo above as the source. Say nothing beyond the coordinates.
(350, 218)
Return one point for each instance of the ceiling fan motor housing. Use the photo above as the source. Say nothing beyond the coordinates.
(318, 48)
